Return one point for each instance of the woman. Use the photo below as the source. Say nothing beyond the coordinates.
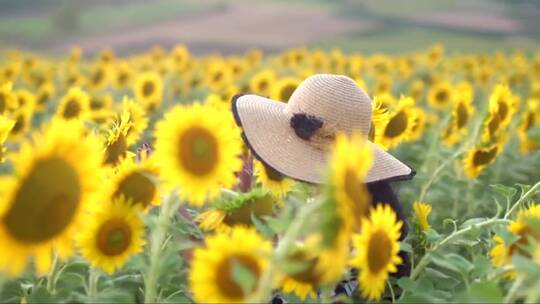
(295, 138)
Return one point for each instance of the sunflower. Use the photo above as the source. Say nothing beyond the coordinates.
(237, 210)
(493, 128)
(435, 54)
(180, 57)
(116, 147)
(115, 233)
(211, 276)
(400, 125)
(195, 151)
(25, 98)
(219, 75)
(462, 114)
(74, 105)
(383, 84)
(377, 249)
(529, 122)
(419, 124)
(284, 88)
(386, 100)
(6, 125)
(277, 183)
(135, 181)
(501, 253)
(304, 278)
(421, 212)
(351, 160)
(123, 75)
(7, 100)
(503, 103)
(23, 121)
(261, 82)
(99, 77)
(138, 118)
(478, 158)
(100, 102)
(149, 90)
(56, 179)
(44, 95)
(440, 95)
(416, 90)
(379, 119)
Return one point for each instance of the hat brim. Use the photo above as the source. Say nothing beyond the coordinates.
(266, 129)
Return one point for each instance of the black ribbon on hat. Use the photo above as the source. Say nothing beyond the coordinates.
(305, 125)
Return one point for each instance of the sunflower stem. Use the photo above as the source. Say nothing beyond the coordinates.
(424, 261)
(51, 277)
(512, 293)
(93, 279)
(264, 288)
(522, 199)
(158, 238)
(392, 294)
(436, 173)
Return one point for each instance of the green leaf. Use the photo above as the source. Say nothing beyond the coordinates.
(504, 190)
(403, 246)
(261, 227)
(243, 277)
(472, 222)
(433, 236)
(407, 284)
(482, 265)
(526, 266)
(483, 292)
(453, 262)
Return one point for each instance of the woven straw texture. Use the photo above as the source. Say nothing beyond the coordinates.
(338, 101)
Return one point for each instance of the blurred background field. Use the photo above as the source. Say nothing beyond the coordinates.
(207, 26)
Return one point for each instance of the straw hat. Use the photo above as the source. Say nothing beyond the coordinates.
(279, 133)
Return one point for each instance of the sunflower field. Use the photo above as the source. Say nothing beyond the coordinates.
(125, 179)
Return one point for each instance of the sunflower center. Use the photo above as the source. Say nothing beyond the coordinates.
(529, 121)
(355, 191)
(286, 92)
(122, 78)
(96, 103)
(441, 96)
(462, 116)
(98, 76)
(43, 98)
(397, 125)
(503, 109)
(2, 102)
(116, 150)
(225, 281)
(379, 251)
(148, 88)
(46, 202)
(72, 109)
(494, 124)
(484, 157)
(217, 76)
(309, 274)
(19, 124)
(137, 187)
(114, 237)
(263, 85)
(198, 151)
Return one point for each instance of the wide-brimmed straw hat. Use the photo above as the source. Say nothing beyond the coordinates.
(295, 138)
